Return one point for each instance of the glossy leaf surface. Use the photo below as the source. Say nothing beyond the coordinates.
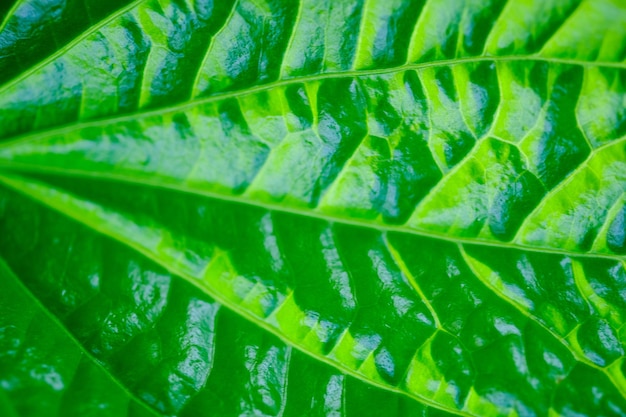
(332, 208)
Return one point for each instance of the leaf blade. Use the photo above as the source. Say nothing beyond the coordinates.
(279, 310)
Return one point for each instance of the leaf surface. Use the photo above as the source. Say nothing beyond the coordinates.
(333, 208)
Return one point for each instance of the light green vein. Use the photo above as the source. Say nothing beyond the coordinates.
(301, 211)
(397, 258)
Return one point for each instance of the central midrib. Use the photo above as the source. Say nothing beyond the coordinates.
(296, 80)
(299, 211)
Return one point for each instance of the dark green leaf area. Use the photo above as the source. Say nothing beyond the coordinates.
(587, 402)
(600, 342)
(44, 370)
(128, 322)
(253, 377)
(616, 235)
(433, 319)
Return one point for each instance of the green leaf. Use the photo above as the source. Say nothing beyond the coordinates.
(338, 208)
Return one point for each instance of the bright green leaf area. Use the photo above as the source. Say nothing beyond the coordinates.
(314, 208)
